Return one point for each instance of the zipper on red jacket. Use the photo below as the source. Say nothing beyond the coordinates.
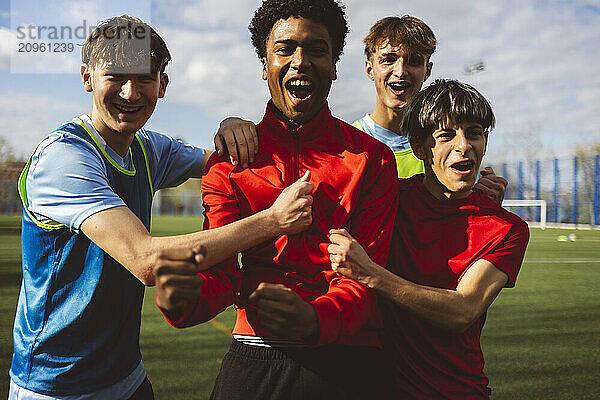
(295, 155)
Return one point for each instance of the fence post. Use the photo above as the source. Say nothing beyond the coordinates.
(556, 188)
(520, 186)
(596, 189)
(505, 175)
(537, 187)
(574, 217)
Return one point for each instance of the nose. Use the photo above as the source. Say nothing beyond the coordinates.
(300, 60)
(399, 67)
(461, 142)
(129, 91)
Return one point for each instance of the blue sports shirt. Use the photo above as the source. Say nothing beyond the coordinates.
(78, 316)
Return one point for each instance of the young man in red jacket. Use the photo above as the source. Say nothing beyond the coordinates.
(453, 250)
(302, 331)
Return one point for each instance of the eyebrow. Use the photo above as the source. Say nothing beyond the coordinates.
(310, 42)
(469, 126)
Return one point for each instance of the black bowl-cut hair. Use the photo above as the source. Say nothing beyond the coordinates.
(330, 13)
(445, 100)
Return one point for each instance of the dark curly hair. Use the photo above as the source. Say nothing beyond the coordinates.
(330, 13)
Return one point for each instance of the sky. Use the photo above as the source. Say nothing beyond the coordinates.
(541, 58)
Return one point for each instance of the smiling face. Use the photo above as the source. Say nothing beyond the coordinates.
(299, 67)
(122, 103)
(452, 156)
(398, 75)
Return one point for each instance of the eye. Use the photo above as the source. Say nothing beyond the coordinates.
(445, 135)
(414, 60)
(285, 50)
(388, 60)
(475, 133)
(318, 51)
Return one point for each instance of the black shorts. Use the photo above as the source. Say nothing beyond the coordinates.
(327, 372)
(143, 392)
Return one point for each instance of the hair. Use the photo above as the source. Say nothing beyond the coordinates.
(445, 101)
(123, 42)
(330, 13)
(406, 30)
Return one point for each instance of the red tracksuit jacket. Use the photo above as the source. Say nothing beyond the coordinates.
(355, 187)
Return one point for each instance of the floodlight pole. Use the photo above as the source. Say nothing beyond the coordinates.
(596, 189)
(575, 190)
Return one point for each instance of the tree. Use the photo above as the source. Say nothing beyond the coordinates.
(6, 150)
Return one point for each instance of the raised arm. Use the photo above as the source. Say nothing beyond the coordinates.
(122, 235)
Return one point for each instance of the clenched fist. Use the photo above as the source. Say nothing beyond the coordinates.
(177, 280)
(292, 210)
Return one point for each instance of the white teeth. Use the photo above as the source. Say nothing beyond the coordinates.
(300, 82)
(398, 86)
(121, 107)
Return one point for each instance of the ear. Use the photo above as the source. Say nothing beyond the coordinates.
(264, 70)
(334, 77)
(486, 142)
(369, 69)
(86, 77)
(429, 68)
(164, 81)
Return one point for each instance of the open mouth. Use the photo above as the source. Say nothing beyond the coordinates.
(299, 88)
(127, 109)
(463, 167)
(399, 87)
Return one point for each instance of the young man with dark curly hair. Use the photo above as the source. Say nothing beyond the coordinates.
(302, 331)
(453, 250)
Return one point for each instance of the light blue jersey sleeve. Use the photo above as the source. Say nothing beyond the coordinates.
(67, 181)
(175, 161)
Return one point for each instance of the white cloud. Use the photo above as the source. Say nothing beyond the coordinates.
(233, 15)
(216, 71)
(8, 44)
(78, 11)
(27, 118)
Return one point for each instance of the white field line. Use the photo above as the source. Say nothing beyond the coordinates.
(554, 240)
(562, 261)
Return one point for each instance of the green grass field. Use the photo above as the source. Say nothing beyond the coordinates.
(541, 340)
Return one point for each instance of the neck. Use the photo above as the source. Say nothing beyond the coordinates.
(388, 118)
(439, 191)
(118, 141)
(292, 124)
